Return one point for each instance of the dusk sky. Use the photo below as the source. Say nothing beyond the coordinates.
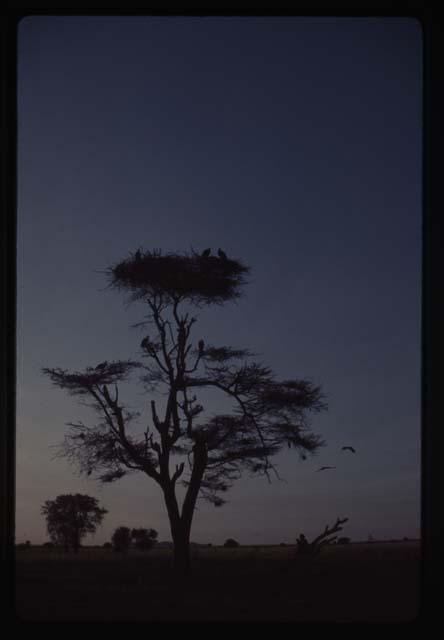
(295, 145)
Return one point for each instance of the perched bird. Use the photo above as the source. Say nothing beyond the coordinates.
(145, 342)
(222, 254)
(322, 468)
(138, 255)
(101, 366)
(349, 448)
(201, 346)
(206, 253)
(289, 444)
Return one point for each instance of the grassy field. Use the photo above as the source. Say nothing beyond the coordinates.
(377, 582)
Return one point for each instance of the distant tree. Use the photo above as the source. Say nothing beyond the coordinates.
(70, 517)
(121, 539)
(343, 540)
(268, 415)
(231, 543)
(144, 539)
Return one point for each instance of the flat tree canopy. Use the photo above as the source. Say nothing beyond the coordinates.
(208, 452)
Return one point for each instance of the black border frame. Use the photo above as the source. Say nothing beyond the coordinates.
(432, 409)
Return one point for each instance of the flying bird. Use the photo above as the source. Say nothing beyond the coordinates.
(322, 468)
(222, 254)
(101, 366)
(349, 449)
(206, 253)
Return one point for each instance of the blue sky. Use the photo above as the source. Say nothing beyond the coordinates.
(295, 145)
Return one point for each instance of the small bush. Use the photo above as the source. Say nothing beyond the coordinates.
(231, 543)
(121, 539)
(144, 539)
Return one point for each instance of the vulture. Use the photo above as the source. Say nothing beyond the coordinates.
(201, 346)
(101, 366)
(322, 468)
(145, 342)
(222, 254)
(349, 449)
(206, 253)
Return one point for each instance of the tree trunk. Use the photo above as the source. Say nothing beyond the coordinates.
(181, 559)
(179, 533)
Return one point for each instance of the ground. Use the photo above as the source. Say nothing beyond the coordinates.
(361, 582)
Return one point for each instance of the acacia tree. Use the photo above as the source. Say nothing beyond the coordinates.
(70, 517)
(181, 443)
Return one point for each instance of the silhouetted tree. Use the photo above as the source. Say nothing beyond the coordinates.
(313, 548)
(211, 452)
(230, 542)
(144, 539)
(70, 517)
(121, 539)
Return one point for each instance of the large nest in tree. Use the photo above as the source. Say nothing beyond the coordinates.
(203, 280)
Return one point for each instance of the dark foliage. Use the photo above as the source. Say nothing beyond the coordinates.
(70, 517)
(193, 277)
(230, 542)
(144, 539)
(121, 539)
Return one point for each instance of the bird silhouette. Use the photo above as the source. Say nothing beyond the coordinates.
(222, 254)
(145, 342)
(349, 449)
(201, 346)
(206, 253)
(322, 468)
(101, 366)
(138, 255)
